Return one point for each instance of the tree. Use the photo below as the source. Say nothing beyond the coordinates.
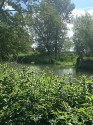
(14, 37)
(83, 35)
(64, 8)
(50, 27)
(68, 45)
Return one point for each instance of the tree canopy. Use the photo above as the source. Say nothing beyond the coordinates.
(83, 35)
(44, 20)
(64, 7)
(14, 37)
(49, 25)
(48, 28)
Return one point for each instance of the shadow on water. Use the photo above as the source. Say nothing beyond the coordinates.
(63, 70)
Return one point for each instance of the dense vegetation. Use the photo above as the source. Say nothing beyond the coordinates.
(83, 35)
(50, 26)
(87, 63)
(40, 26)
(30, 97)
(63, 59)
(14, 37)
(41, 23)
(37, 98)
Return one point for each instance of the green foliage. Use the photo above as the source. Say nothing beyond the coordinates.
(64, 60)
(64, 7)
(36, 58)
(49, 29)
(30, 97)
(14, 37)
(87, 64)
(49, 25)
(13, 40)
(42, 20)
(83, 35)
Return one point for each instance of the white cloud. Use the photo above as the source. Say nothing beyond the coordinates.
(79, 12)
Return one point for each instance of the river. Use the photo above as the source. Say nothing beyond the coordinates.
(58, 70)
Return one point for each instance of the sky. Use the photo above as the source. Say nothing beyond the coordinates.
(83, 4)
(81, 7)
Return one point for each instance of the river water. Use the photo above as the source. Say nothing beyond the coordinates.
(58, 70)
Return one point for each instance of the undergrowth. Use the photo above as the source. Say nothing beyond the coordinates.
(30, 97)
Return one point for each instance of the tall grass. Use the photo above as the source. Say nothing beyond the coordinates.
(30, 97)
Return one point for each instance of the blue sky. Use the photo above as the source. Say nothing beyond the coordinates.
(83, 4)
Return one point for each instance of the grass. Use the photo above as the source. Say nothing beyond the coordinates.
(30, 97)
(64, 63)
(63, 60)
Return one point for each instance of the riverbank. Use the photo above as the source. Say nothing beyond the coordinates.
(87, 63)
(63, 60)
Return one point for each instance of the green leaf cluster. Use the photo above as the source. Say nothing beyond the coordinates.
(83, 35)
(14, 37)
(32, 97)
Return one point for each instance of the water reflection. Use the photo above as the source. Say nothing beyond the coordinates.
(63, 70)
(57, 70)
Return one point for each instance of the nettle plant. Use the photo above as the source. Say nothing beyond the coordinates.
(32, 97)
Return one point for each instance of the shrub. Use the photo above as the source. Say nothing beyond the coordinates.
(30, 97)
